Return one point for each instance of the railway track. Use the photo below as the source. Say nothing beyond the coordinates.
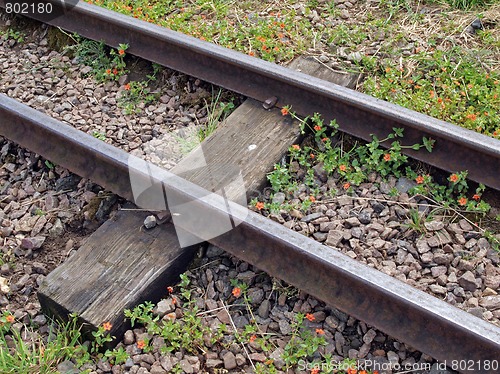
(409, 315)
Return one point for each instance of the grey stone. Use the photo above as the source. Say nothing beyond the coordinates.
(365, 217)
(439, 239)
(332, 322)
(284, 327)
(468, 281)
(67, 367)
(312, 217)
(229, 360)
(256, 295)
(32, 242)
(437, 289)
(128, 337)
(150, 222)
(403, 184)
(240, 321)
(157, 369)
(186, 366)
(264, 309)
(369, 336)
(279, 198)
(352, 222)
(490, 302)
(165, 306)
(334, 238)
(434, 225)
(39, 320)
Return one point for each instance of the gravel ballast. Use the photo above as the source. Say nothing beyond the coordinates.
(47, 211)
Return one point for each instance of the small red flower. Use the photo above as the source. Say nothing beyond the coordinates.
(259, 205)
(312, 155)
(107, 326)
(115, 71)
(108, 71)
(419, 179)
(310, 317)
(342, 167)
(121, 52)
(284, 111)
(454, 178)
(320, 331)
(170, 289)
(462, 201)
(387, 157)
(174, 300)
(317, 128)
(252, 338)
(312, 199)
(324, 140)
(236, 292)
(346, 186)
(127, 87)
(296, 147)
(141, 344)
(10, 318)
(476, 197)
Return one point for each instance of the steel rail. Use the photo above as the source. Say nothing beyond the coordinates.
(414, 317)
(456, 149)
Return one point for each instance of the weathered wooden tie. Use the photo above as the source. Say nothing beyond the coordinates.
(122, 264)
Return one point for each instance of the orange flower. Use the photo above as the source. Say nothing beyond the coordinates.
(251, 53)
(310, 317)
(462, 201)
(259, 205)
(471, 116)
(107, 326)
(174, 300)
(387, 157)
(312, 155)
(314, 371)
(10, 318)
(171, 316)
(476, 197)
(284, 111)
(312, 199)
(432, 94)
(453, 178)
(317, 128)
(296, 147)
(419, 179)
(346, 186)
(170, 289)
(121, 52)
(127, 87)
(342, 167)
(108, 71)
(351, 371)
(320, 331)
(252, 338)
(324, 140)
(236, 292)
(141, 344)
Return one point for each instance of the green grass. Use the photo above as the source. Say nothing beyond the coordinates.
(35, 355)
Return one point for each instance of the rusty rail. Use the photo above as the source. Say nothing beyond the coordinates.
(456, 149)
(426, 323)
